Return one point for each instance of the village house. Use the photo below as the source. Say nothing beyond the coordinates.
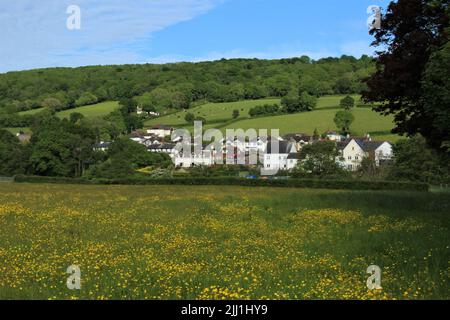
(275, 160)
(169, 148)
(140, 111)
(333, 136)
(102, 146)
(299, 139)
(205, 159)
(353, 151)
(160, 131)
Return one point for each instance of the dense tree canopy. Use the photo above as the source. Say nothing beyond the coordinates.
(411, 32)
(319, 159)
(415, 161)
(347, 103)
(12, 155)
(177, 85)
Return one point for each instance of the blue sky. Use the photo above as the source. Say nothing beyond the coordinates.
(34, 33)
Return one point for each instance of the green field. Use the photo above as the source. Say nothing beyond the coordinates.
(18, 130)
(366, 121)
(214, 112)
(31, 112)
(179, 242)
(95, 110)
(218, 115)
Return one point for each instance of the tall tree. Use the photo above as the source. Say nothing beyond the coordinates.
(436, 95)
(411, 30)
(343, 121)
(318, 159)
(347, 103)
(12, 154)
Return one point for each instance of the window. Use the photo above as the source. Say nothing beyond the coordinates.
(350, 158)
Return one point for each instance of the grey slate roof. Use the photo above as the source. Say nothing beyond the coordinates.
(102, 145)
(161, 126)
(369, 145)
(294, 156)
(283, 147)
(366, 145)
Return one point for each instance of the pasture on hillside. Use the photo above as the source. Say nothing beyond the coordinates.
(213, 112)
(218, 115)
(18, 130)
(94, 110)
(222, 112)
(366, 121)
(224, 242)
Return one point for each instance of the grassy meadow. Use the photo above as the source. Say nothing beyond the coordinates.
(178, 242)
(218, 116)
(18, 130)
(95, 110)
(213, 112)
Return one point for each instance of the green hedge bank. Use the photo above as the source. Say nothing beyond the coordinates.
(288, 183)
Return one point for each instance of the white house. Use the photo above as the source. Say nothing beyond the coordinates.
(168, 148)
(102, 146)
(160, 131)
(299, 139)
(352, 152)
(292, 160)
(205, 159)
(140, 111)
(276, 160)
(333, 136)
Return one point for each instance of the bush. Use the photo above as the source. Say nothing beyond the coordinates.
(284, 183)
(266, 109)
(60, 180)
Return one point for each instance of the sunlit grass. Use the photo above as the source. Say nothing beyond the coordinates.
(178, 242)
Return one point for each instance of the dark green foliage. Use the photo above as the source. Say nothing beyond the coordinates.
(12, 154)
(52, 103)
(189, 117)
(414, 161)
(411, 32)
(319, 160)
(298, 103)
(235, 114)
(124, 157)
(289, 183)
(75, 117)
(343, 121)
(178, 85)
(85, 99)
(60, 147)
(264, 110)
(436, 97)
(347, 103)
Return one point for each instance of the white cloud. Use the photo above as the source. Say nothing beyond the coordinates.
(34, 33)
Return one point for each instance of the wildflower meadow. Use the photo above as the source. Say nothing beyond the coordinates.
(179, 242)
